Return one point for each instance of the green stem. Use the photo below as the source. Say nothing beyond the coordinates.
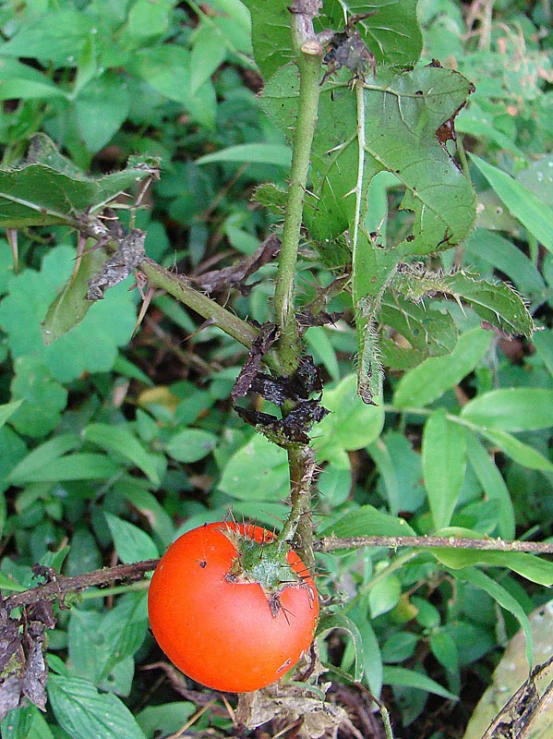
(177, 286)
(299, 526)
(309, 63)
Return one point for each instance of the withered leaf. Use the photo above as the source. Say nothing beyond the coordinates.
(119, 266)
(268, 334)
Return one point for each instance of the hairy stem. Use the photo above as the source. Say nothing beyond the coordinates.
(310, 56)
(177, 286)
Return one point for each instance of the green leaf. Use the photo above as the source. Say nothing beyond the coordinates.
(518, 450)
(43, 455)
(366, 521)
(400, 469)
(7, 410)
(150, 508)
(501, 596)
(392, 33)
(44, 398)
(527, 565)
(340, 621)
(384, 595)
(511, 409)
(350, 424)
(411, 679)
(445, 650)
(120, 440)
(80, 466)
(167, 718)
(427, 382)
(83, 712)
(495, 302)
(428, 332)
(257, 471)
(208, 53)
(57, 36)
(20, 81)
(538, 178)
(70, 307)
(271, 34)
(277, 154)
(523, 204)
(89, 347)
(131, 543)
(101, 108)
(191, 445)
(147, 19)
(443, 465)
(505, 256)
(492, 483)
(48, 188)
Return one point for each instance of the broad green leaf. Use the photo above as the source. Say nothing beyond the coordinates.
(47, 189)
(402, 112)
(166, 68)
(427, 382)
(429, 333)
(500, 595)
(257, 471)
(79, 466)
(8, 409)
(520, 452)
(191, 445)
(155, 720)
(384, 595)
(101, 108)
(538, 178)
(334, 485)
(392, 33)
(92, 346)
(148, 19)
(120, 440)
(131, 543)
(411, 679)
(511, 409)
(43, 455)
(366, 521)
(70, 307)
(44, 397)
(350, 425)
(340, 621)
(20, 81)
(83, 712)
(443, 465)
(208, 53)
(445, 650)
(505, 256)
(543, 341)
(271, 34)
(57, 36)
(527, 565)
(252, 154)
(400, 469)
(492, 483)
(530, 211)
(149, 507)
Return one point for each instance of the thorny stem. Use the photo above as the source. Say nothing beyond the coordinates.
(299, 526)
(177, 286)
(63, 586)
(310, 56)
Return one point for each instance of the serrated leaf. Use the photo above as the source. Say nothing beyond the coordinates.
(47, 189)
(392, 33)
(83, 712)
(272, 41)
(427, 382)
(429, 333)
(443, 465)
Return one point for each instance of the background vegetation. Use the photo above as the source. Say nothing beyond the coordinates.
(125, 440)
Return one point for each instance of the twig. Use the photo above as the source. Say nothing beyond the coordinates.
(332, 544)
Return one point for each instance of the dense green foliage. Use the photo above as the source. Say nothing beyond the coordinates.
(432, 255)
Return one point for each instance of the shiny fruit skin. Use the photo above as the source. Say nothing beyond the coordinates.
(221, 633)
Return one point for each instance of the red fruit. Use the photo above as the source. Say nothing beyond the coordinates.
(230, 609)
